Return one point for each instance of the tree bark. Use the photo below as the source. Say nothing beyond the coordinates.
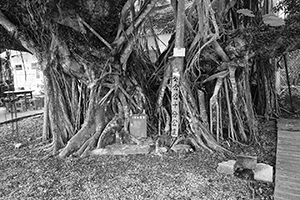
(46, 125)
(87, 130)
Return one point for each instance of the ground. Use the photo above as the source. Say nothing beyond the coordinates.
(28, 173)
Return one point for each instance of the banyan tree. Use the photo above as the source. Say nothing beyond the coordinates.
(98, 72)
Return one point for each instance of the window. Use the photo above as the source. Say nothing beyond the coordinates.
(18, 67)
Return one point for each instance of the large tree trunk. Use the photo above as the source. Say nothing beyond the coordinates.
(58, 131)
(267, 104)
(87, 130)
(96, 74)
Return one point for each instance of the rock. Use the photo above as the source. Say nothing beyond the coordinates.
(244, 174)
(18, 145)
(122, 149)
(245, 162)
(263, 172)
(226, 167)
(182, 148)
(100, 152)
(146, 141)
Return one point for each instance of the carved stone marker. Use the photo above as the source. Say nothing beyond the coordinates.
(138, 126)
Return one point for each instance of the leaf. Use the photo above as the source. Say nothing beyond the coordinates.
(246, 12)
(273, 20)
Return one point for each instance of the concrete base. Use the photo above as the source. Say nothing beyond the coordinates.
(263, 172)
(226, 167)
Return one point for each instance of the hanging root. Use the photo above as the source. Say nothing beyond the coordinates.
(111, 125)
(195, 126)
(49, 147)
(231, 132)
(46, 147)
(91, 143)
(201, 135)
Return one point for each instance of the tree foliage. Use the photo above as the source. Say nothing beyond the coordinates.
(289, 7)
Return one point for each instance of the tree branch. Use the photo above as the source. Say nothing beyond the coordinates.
(137, 22)
(93, 31)
(12, 29)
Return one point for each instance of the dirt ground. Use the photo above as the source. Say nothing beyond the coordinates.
(28, 173)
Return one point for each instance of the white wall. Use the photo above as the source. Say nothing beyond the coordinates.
(162, 41)
(29, 76)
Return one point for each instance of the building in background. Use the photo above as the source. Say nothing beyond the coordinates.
(26, 71)
(162, 40)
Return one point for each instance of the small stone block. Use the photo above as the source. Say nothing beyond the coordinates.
(138, 126)
(226, 167)
(122, 149)
(263, 172)
(246, 162)
(18, 145)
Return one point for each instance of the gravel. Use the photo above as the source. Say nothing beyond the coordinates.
(28, 173)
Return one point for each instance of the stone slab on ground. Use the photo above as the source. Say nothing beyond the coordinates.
(122, 149)
(226, 167)
(263, 172)
(18, 145)
(245, 162)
